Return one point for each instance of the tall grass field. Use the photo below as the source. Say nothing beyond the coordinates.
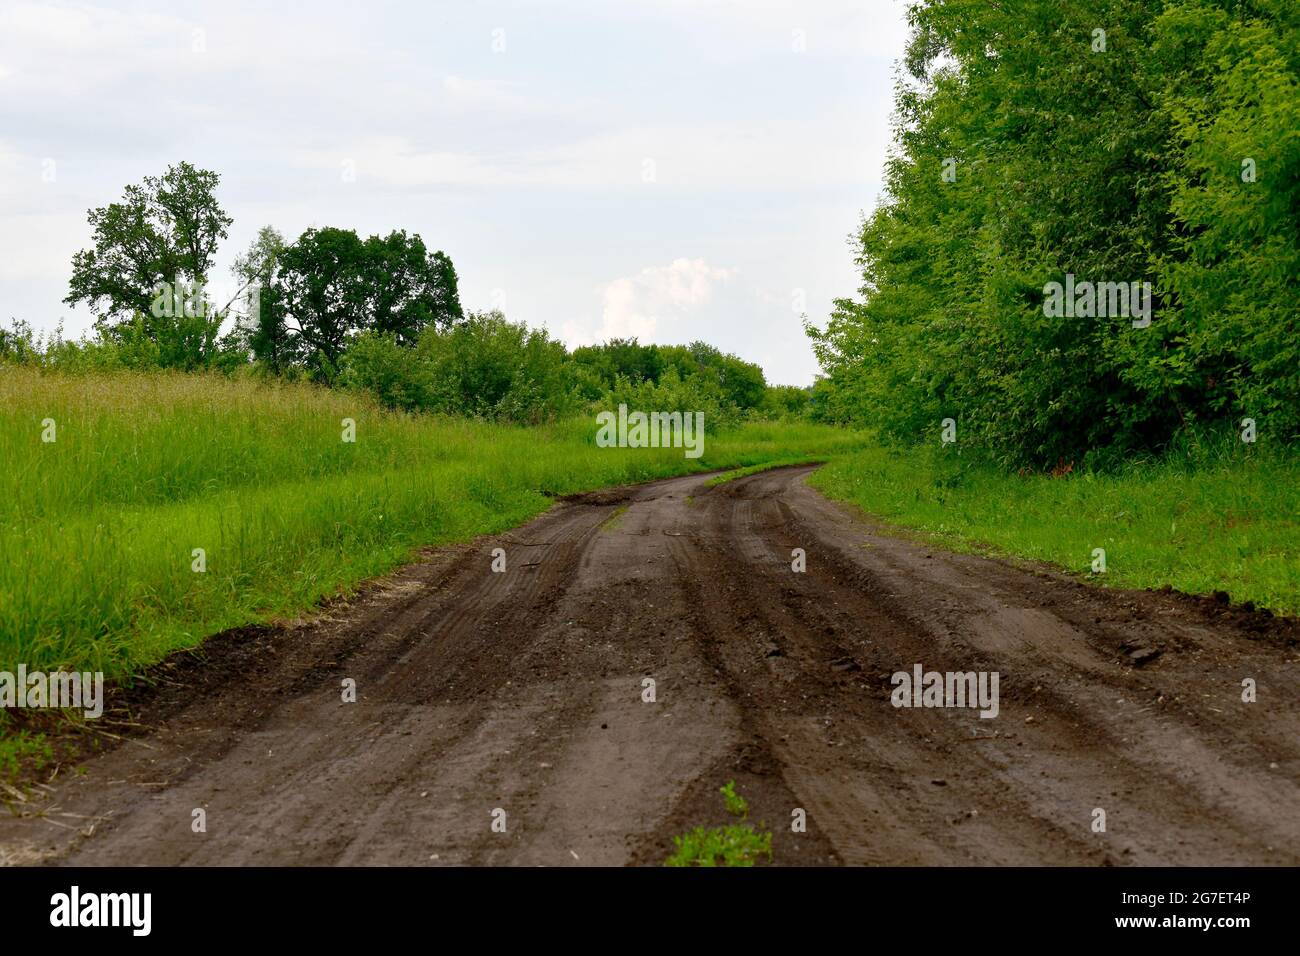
(99, 526)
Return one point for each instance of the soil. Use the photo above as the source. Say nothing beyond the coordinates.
(524, 691)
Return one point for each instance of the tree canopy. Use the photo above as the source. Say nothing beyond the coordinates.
(1143, 141)
(166, 229)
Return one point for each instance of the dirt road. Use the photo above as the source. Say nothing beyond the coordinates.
(522, 691)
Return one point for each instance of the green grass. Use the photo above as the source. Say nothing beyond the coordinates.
(735, 473)
(736, 844)
(97, 528)
(1225, 518)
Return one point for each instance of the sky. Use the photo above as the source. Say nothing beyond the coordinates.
(666, 169)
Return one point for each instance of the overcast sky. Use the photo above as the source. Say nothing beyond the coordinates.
(669, 169)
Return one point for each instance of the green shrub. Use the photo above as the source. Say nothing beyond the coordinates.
(498, 370)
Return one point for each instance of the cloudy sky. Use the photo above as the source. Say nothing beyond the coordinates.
(669, 169)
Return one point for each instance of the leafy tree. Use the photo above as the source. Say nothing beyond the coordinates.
(482, 366)
(330, 285)
(164, 230)
(673, 393)
(19, 343)
(1028, 146)
(321, 289)
(409, 287)
(622, 362)
(786, 401)
(741, 383)
(262, 324)
(617, 358)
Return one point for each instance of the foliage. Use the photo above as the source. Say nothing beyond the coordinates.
(162, 234)
(737, 806)
(734, 381)
(166, 229)
(320, 286)
(786, 402)
(483, 366)
(261, 324)
(605, 363)
(498, 370)
(398, 376)
(331, 285)
(672, 393)
(736, 844)
(1122, 164)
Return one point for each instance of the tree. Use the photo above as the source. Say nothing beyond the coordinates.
(742, 383)
(737, 382)
(490, 367)
(409, 287)
(164, 230)
(152, 255)
(1033, 147)
(321, 288)
(620, 357)
(261, 323)
(330, 285)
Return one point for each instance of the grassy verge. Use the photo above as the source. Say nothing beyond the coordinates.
(98, 528)
(735, 473)
(1222, 519)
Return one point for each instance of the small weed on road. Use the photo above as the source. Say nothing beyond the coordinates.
(737, 844)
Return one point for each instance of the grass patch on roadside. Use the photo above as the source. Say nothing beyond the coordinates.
(98, 528)
(22, 752)
(735, 473)
(613, 522)
(1223, 517)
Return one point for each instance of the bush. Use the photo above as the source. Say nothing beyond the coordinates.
(498, 370)
(484, 366)
(396, 375)
(672, 393)
(784, 402)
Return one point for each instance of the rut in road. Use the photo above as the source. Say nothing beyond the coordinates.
(522, 692)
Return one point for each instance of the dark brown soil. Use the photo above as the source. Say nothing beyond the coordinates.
(522, 691)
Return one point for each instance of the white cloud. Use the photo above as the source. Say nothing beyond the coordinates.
(637, 305)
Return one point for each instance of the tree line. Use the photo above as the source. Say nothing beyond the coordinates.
(1041, 146)
(381, 313)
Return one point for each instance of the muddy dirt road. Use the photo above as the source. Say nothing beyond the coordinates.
(522, 691)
